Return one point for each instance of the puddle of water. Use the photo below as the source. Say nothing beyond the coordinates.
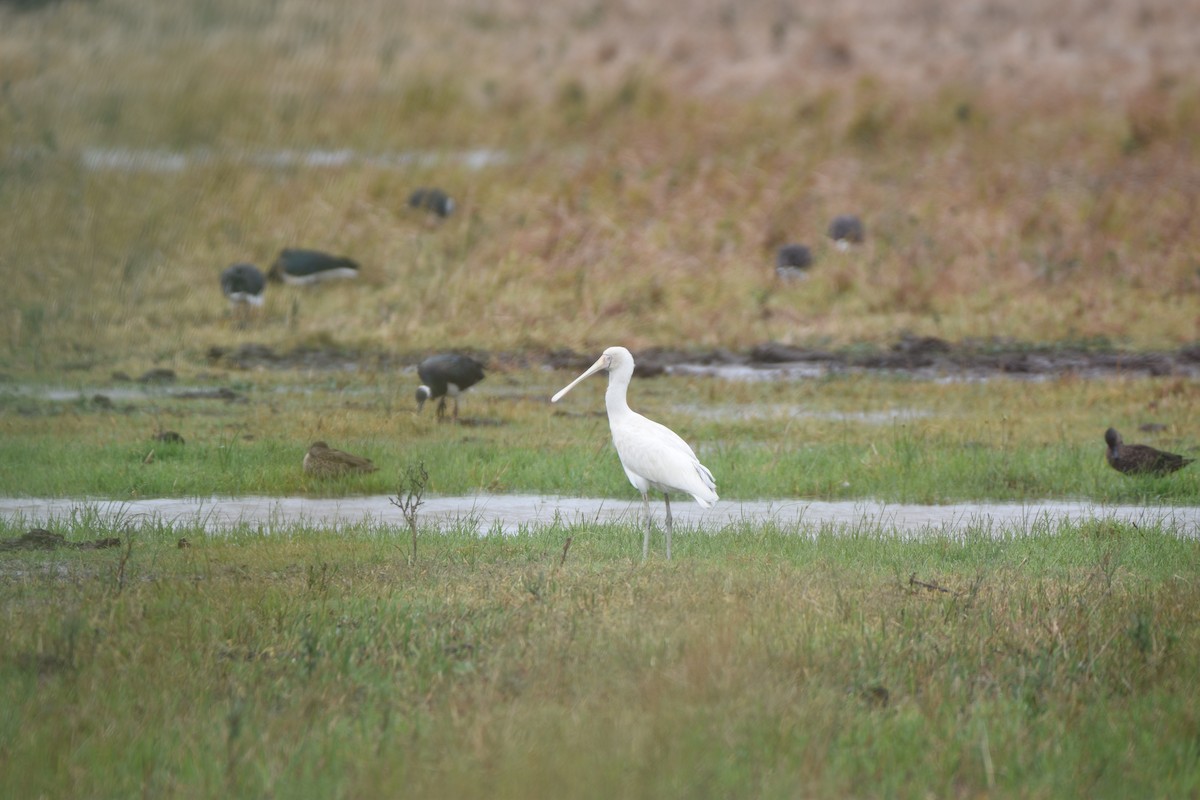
(114, 393)
(752, 372)
(71, 395)
(510, 514)
(746, 411)
(115, 159)
(808, 370)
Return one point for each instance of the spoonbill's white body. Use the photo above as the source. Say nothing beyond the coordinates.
(653, 455)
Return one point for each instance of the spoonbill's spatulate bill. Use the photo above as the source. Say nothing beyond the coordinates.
(653, 455)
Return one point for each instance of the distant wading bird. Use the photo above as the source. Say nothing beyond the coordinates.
(435, 201)
(653, 455)
(792, 261)
(324, 461)
(845, 230)
(244, 285)
(1139, 459)
(448, 374)
(302, 267)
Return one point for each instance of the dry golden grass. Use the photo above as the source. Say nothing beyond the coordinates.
(1023, 173)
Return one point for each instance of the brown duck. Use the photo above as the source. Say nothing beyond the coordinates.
(1139, 459)
(324, 461)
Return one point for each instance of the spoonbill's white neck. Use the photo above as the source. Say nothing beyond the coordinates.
(616, 395)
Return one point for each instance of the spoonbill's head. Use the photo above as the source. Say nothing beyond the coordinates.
(617, 361)
(423, 394)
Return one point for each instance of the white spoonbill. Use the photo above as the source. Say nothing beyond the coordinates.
(653, 455)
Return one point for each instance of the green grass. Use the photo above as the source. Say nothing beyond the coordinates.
(845, 437)
(655, 159)
(765, 662)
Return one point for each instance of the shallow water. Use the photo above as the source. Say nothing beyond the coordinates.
(810, 371)
(510, 514)
(116, 159)
(58, 394)
(752, 372)
(746, 411)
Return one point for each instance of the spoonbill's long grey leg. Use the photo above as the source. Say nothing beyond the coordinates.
(646, 538)
(667, 500)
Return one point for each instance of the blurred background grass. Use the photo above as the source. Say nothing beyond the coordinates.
(623, 174)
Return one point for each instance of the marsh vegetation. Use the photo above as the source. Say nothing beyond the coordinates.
(891, 438)
(1011, 188)
(763, 664)
(622, 174)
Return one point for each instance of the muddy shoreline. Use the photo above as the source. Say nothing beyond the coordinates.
(928, 356)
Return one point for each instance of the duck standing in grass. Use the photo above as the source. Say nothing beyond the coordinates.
(446, 375)
(324, 461)
(1140, 459)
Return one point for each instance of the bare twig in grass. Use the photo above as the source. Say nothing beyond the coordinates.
(233, 730)
(320, 578)
(126, 553)
(965, 600)
(409, 496)
(535, 585)
(933, 586)
(973, 593)
(566, 549)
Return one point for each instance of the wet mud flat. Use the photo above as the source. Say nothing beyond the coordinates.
(513, 514)
(922, 357)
